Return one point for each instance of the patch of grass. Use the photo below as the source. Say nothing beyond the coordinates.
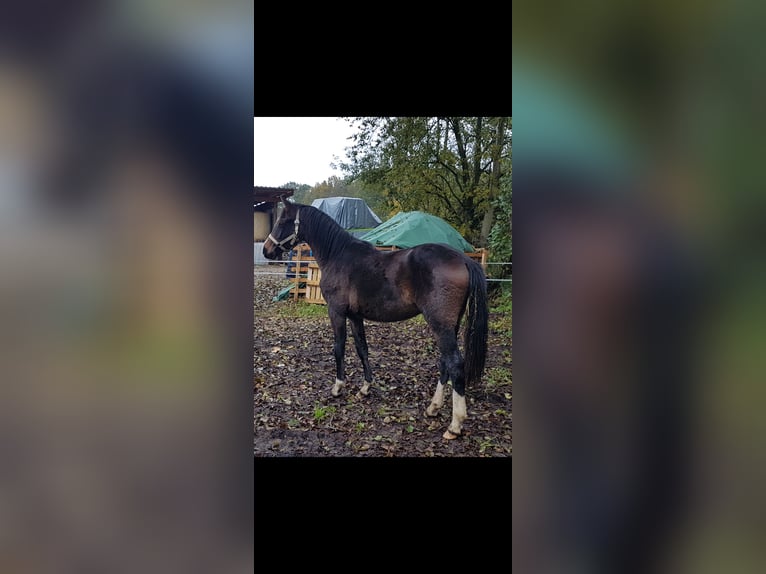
(360, 426)
(321, 412)
(503, 325)
(502, 302)
(497, 377)
(301, 309)
(502, 307)
(485, 443)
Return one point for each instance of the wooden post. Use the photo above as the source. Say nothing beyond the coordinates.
(297, 277)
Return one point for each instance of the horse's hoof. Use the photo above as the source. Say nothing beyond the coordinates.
(449, 435)
(337, 387)
(432, 411)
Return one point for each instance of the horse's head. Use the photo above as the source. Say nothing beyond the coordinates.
(284, 236)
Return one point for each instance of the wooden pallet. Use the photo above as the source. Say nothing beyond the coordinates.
(313, 292)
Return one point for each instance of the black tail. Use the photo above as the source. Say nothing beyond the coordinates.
(476, 325)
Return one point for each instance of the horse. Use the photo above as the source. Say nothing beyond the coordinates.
(361, 282)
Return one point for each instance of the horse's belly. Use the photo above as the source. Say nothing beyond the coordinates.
(379, 299)
(389, 314)
(383, 309)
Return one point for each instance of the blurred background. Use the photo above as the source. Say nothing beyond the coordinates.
(125, 404)
(639, 296)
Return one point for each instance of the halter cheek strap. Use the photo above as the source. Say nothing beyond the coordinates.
(293, 239)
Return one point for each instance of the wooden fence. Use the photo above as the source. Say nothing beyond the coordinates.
(308, 274)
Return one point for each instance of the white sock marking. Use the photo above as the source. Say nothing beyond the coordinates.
(337, 386)
(437, 401)
(458, 413)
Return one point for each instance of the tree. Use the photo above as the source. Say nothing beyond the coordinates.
(500, 238)
(496, 154)
(301, 190)
(448, 166)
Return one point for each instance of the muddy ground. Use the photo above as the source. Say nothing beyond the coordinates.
(295, 415)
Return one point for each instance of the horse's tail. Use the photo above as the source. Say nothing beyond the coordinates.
(476, 324)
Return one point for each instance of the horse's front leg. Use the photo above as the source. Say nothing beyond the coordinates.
(338, 322)
(360, 341)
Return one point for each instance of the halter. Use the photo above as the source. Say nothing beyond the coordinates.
(292, 238)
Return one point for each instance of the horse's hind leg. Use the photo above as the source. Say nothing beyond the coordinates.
(459, 413)
(360, 342)
(438, 399)
(451, 368)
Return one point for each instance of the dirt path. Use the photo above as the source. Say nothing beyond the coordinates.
(295, 414)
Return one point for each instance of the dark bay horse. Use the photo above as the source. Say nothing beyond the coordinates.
(360, 282)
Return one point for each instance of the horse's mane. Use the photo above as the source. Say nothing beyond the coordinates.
(328, 238)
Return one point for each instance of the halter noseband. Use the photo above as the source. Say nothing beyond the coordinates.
(292, 238)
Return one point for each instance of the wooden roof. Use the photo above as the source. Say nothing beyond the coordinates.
(271, 194)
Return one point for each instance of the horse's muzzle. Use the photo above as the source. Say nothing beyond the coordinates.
(270, 251)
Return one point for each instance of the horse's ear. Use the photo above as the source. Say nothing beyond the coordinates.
(289, 205)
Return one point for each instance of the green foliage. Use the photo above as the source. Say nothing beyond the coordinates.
(500, 238)
(447, 166)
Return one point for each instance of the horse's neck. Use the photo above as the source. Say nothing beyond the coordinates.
(324, 245)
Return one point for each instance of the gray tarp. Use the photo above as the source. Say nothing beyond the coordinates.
(348, 212)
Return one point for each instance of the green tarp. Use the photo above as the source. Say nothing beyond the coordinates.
(285, 293)
(411, 228)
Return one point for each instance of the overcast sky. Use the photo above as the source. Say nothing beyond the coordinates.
(298, 149)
